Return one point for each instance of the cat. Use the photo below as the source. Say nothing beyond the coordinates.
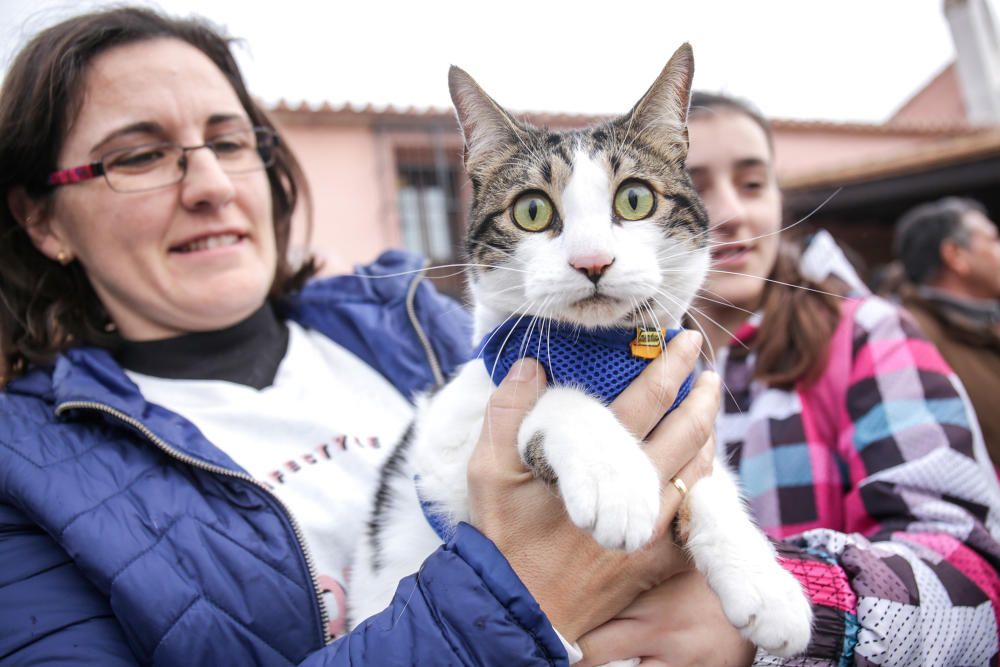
(591, 228)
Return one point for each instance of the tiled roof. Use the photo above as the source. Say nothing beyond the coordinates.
(558, 119)
(347, 109)
(899, 128)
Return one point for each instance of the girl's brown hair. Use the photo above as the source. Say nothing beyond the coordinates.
(799, 316)
(45, 307)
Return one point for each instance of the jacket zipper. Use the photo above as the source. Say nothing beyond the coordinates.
(411, 296)
(218, 470)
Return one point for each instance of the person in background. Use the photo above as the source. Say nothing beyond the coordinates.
(191, 429)
(852, 437)
(887, 280)
(950, 251)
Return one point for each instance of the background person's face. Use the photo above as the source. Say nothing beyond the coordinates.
(983, 250)
(730, 163)
(194, 256)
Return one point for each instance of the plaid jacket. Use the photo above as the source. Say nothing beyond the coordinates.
(876, 482)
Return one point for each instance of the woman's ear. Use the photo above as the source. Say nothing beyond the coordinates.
(34, 217)
(954, 257)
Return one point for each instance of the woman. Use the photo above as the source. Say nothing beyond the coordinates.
(850, 435)
(188, 437)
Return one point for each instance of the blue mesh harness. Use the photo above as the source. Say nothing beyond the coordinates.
(598, 361)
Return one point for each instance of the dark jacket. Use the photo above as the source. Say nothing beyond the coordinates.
(127, 537)
(972, 349)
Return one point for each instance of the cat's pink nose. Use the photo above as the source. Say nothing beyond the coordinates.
(593, 266)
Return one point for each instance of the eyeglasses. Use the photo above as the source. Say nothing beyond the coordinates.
(153, 166)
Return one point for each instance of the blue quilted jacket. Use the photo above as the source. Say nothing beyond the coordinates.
(126, 537)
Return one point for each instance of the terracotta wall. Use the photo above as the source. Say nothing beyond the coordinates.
(799, 151)
(353, 220)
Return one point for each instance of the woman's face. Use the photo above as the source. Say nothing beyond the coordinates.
(145, 253)
(730, 163)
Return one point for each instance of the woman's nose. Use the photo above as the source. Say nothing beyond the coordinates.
(726, 209)
(205, 183)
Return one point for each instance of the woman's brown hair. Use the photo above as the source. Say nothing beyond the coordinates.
(46, 307)
(799, 316)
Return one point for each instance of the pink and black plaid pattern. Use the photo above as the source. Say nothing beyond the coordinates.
(876, 479)
(75, 175)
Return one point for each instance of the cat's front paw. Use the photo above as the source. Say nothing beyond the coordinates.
(769, 609)
(607, 482)
(618, 503)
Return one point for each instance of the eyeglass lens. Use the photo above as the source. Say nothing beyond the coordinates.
(152, 166)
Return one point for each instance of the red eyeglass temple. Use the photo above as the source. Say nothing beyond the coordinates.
(76, 174)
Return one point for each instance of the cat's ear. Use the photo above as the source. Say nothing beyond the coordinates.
(485, 124)
(661, 114)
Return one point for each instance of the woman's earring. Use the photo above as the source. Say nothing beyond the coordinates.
(63, 257)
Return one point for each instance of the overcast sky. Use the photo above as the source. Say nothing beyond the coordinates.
(808, 59)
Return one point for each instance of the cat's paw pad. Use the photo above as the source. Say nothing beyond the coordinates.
(618, 502)
(769, 609)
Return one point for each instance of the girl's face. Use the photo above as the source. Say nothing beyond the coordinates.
(194, 256)
(730, 163)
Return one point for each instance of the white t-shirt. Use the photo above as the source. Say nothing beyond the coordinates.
(317, 437)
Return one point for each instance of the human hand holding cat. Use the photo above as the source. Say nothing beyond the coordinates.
(529, 523)
(679, 623)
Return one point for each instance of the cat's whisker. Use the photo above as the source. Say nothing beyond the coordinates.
(428, 269)
(791, 226)
(502, 267)
(406, 604)
(548, 347)
(512, 288)
(523, 352)
(434, 275)
(722, 302)
(489, 246)
(702, 352)
(663, 369)
(702, 313)
(778, 282)
(637, 308)
(530, 150)
(489, 424)
(503, 252)
(719, 244)
(709, 357)
(761, 278)
(518, 291)
(709, 245)
(489, 339)
(642, 309)
(631, 136)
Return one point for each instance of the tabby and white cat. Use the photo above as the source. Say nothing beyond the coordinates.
(598, 228)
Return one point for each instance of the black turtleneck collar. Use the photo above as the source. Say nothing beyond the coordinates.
(248, 353)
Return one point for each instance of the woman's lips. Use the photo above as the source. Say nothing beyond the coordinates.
(728, 255)
(207, 243)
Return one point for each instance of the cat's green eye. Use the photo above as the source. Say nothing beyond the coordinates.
(634, 201)
(533, 212)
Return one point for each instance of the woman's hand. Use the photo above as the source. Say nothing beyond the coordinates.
(679, 623)
(578, 583)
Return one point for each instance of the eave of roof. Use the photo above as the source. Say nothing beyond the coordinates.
(970, 147)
